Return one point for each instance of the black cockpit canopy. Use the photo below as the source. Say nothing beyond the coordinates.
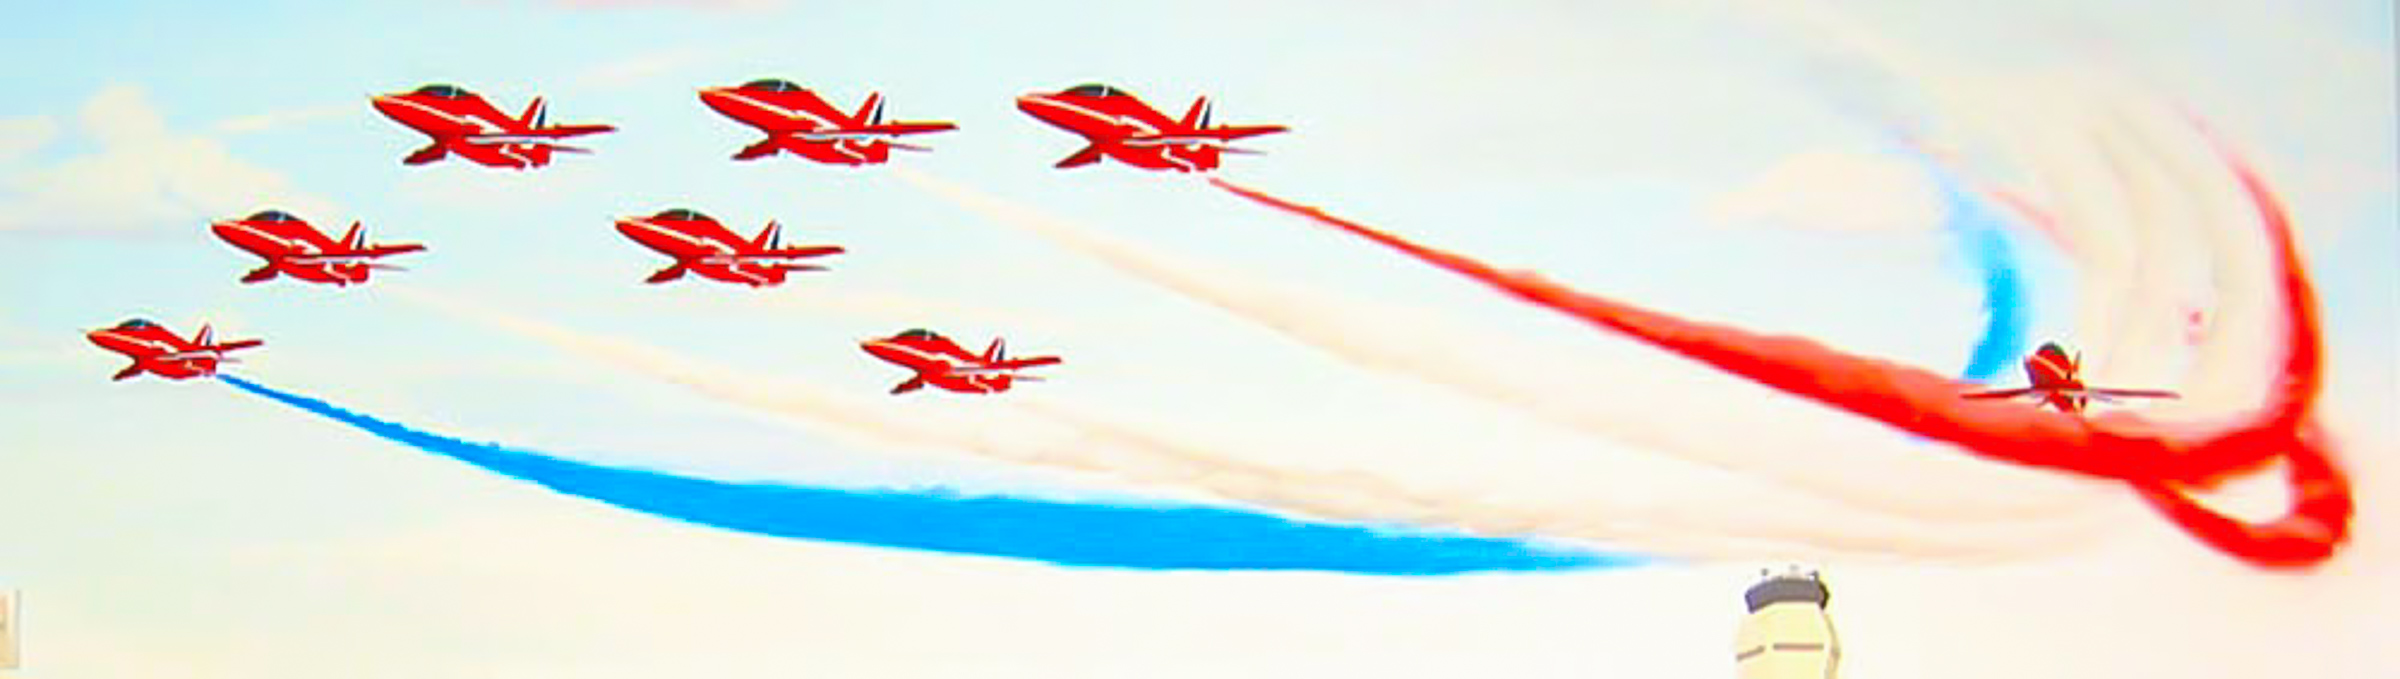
(272, 216)
(439, 91)
(917, 334)
(1096, 90)
(772, 85)
(135, 324)
(683, 215)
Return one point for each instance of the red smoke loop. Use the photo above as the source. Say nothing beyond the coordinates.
(2159, 463)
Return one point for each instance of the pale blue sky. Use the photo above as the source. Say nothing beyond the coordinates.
(1581, 140)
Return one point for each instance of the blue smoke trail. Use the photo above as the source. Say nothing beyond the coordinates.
(1983, 234)
(1158, 537)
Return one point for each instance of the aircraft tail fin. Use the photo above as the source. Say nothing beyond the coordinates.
(870, 112)
(128, 372)
(1087, 156)
(913, 384)
(535, 114)
(769, 238)
(431, 152)
(261, 274)
(997, 351)
(203, 337)
(1197, 117)
(354, 239)
(667, 274)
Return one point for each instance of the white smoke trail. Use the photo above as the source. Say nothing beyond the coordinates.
(2155, 224)
(1622, 393)
(1729, 527)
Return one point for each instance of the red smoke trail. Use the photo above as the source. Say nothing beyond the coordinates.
(2157, 462)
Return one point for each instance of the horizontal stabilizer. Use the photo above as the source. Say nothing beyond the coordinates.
(239, 344)
(1214, 134)
(2004, 393)
(2131, 393)
(1031, 362)
(382, 250)
(798, 252)
(908, 128)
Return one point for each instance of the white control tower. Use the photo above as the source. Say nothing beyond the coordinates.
(1787, 635)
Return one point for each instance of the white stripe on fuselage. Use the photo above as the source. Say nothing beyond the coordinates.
(712, 245)
(166, 351)
(793, 114)
(480, 125)
(1124, 119)
(949, 362)
(302, 244)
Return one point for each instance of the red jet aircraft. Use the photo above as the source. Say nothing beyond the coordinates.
(941, 363)
(461, 122)
(700, 245)
(292, 247)
(1117, 125)
(2058, 379)
(798, 121)
(161, 353)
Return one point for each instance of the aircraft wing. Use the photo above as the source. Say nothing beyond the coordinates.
(361, 253)
(2003, 393)
(905, 128)
(1007, 366)
(796, 253)
(2131, 393)
(382, 250)
(538, 134)
(1228, 133)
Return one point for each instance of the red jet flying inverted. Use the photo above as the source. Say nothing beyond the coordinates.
(2058, 379)
(941, 363)
(1117, 125)
(461, 122)
(797, 120)
(700, 245)
(161, 353)
(292, 247)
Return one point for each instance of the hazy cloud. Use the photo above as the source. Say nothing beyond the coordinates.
(141, 175)
(261, 122)
(1832, 190)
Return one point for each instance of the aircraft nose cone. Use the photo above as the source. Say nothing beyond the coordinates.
(880, 348)
(1028, 103)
